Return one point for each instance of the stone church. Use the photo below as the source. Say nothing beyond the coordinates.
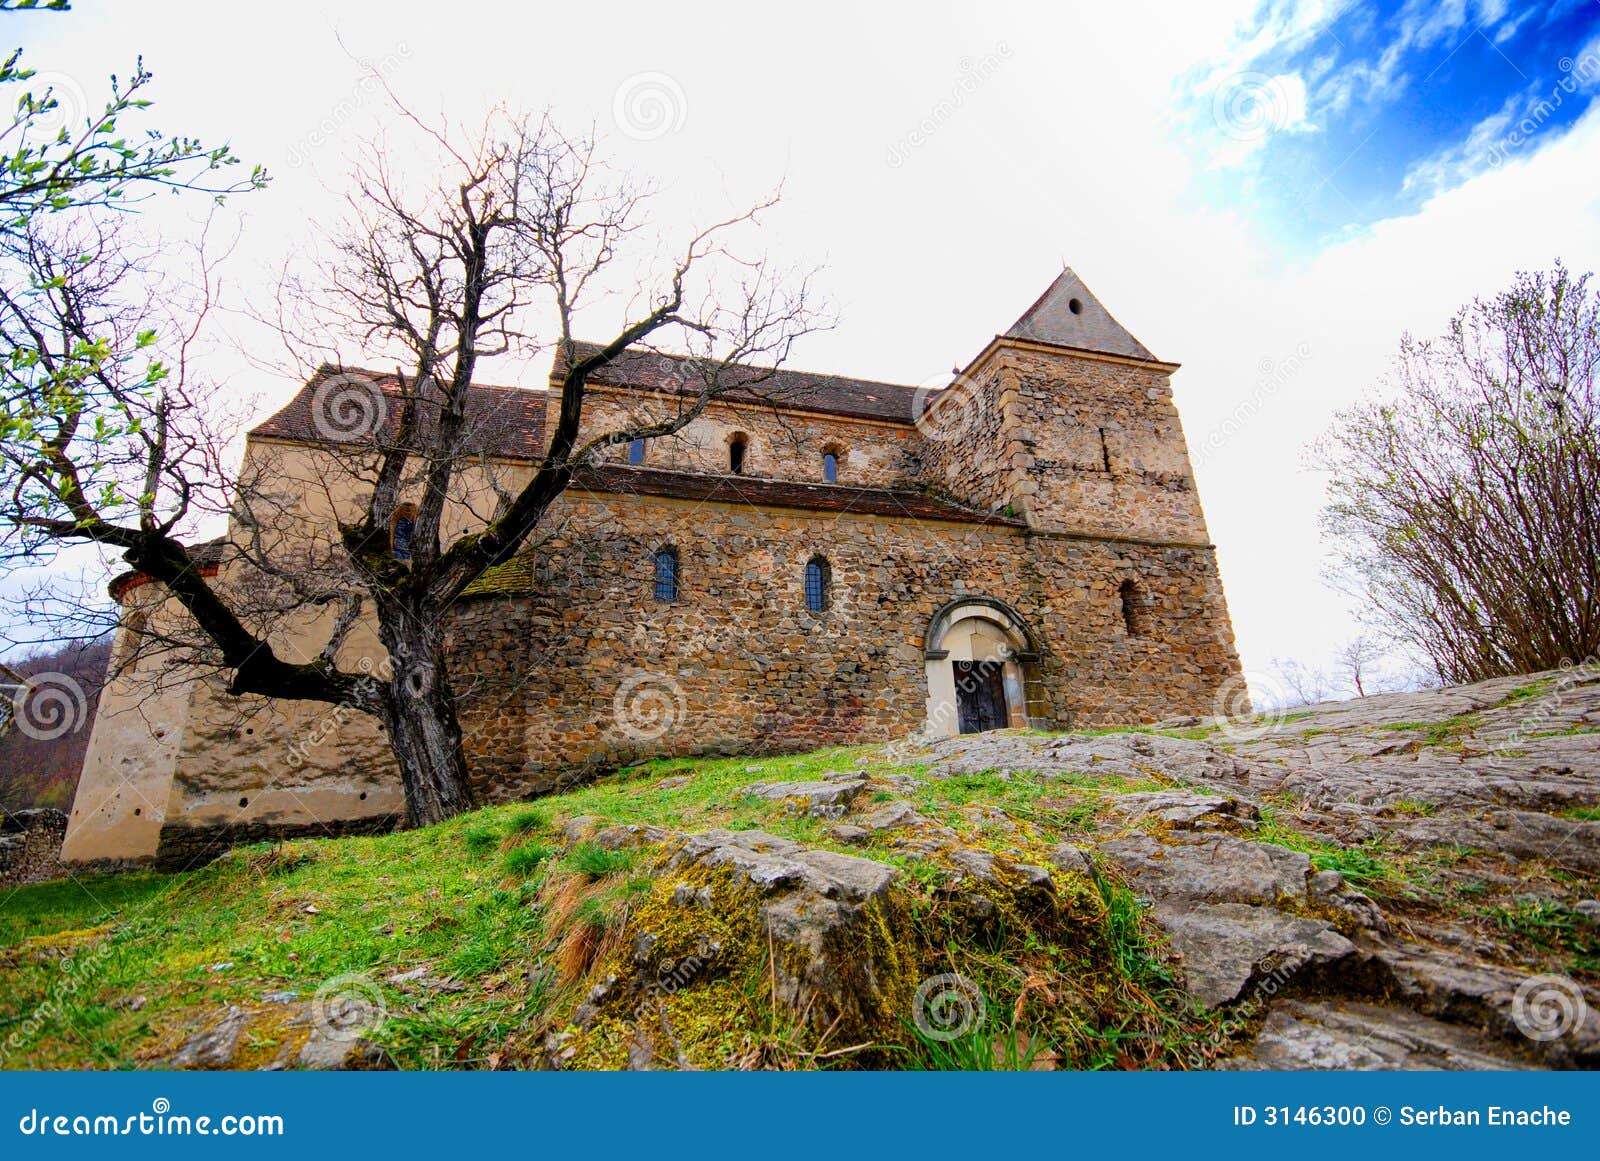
(834, 561)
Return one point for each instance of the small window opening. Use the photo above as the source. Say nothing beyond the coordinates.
(1074, 306)
(667, 574)
(736, 449)
(1133, 612)
(1105, 452)
(830, 467)
(636, 452)
(818, 581)
(402, 531)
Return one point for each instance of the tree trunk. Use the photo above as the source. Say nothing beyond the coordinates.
(418, 711)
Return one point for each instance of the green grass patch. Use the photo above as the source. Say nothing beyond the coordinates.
(530, 820)
(598, 862)
(523, 861)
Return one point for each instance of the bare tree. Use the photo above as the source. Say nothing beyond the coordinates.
(1358, 659)
(1466, 502)
(437, 277)
(1298, 683)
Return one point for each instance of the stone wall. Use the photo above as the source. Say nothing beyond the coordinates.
(871, 453)
(1102, 447)
(586, 670)
(966, 440)
(30, 846)
(569, 674)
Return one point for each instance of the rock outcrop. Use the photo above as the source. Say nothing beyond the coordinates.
(1406, 881)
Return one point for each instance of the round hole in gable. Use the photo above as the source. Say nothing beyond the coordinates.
(1075, 306)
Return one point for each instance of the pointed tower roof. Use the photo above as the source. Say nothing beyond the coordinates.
(1068, 315)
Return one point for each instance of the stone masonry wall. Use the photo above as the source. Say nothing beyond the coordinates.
(30, 846)
(965, 441)
(591, 672)
(871, 453)
(1104, 448)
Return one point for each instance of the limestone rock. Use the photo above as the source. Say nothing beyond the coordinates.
(895, 815)
(818, 799)
(1352, 1035)
(217, 1045)
(1227, 947)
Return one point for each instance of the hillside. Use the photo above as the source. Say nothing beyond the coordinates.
(1402, 881)
(41, 768)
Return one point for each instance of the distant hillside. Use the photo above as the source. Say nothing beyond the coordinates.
(43, 771)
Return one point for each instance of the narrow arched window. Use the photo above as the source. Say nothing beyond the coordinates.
(736, 450)
(819, 578)
(830, 466)
(636, 452)
(402, 530)
(1133, 619)
(667, 574)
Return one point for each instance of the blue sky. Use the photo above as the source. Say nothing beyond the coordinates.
(1334, 117)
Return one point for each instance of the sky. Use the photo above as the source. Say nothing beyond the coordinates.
(1269, 195)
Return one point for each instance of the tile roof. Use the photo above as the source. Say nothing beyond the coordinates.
(206, 555)
(505, 422)
(800, 390)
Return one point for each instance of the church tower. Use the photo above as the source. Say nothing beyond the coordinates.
(1067, 422)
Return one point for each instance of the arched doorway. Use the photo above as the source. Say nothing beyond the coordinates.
(976, 650)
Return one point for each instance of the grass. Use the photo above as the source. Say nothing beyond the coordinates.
(1447, 733)
(1552, 925)
(1367, 865)
(1413, 807)
(530, 820)
(597, 862)
(522, 861)
(1582, 813)
(283, 918)
(507, 923)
